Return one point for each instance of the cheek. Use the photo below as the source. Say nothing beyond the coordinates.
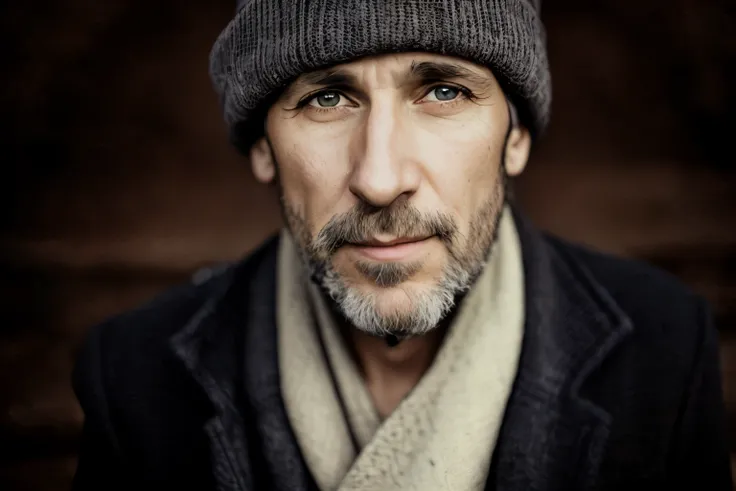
(463, 168)
(313, 177)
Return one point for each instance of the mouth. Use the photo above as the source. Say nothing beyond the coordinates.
(397, 249)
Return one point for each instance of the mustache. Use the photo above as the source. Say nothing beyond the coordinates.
(363, 222)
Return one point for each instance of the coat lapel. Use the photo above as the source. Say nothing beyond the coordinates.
(553, 437)
(229, 348)
(207, 347)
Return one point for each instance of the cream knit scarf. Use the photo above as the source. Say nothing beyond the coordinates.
(442, 435)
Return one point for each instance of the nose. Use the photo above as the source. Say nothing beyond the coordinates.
(385, 168)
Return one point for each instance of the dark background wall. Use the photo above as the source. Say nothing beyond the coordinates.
(118, 180)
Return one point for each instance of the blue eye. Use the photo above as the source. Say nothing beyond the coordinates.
(326, 99)
(445, 93)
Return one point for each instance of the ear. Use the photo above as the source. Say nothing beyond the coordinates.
(262, 162)
(518, 146)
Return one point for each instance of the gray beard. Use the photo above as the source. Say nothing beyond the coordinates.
(429, 306)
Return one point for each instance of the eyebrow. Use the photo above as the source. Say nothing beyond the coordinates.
(435, 71)
(334, 77)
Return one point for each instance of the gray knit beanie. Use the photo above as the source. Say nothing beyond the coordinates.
(271, 42)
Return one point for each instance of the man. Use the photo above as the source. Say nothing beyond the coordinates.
(409, 328)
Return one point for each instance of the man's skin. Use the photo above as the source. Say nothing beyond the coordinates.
(383, 132)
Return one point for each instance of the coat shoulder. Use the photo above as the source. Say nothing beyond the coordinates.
(138, 341)
(635, 285)
(146, 329)
(667, 316)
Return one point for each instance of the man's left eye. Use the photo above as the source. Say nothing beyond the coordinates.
(443, 93)
(326, 100)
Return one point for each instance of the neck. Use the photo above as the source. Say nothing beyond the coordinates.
(390, 373)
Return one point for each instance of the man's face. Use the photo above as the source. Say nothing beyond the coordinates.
(392, 181)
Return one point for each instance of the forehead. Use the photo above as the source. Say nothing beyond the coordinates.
(395, 69)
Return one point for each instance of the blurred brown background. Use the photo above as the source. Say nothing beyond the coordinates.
(118, 179)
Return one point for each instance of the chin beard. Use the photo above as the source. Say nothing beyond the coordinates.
(423, 310)
(425, 306)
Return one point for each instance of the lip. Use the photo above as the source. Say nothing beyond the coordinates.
(391, 250)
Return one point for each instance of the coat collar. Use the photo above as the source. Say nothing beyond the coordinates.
(552, 435)
(204, 346)
(237, 368)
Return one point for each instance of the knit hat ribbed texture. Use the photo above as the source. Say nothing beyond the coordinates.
(271, 42)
